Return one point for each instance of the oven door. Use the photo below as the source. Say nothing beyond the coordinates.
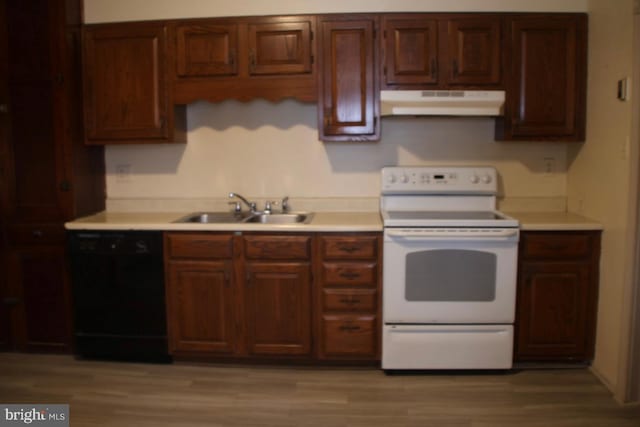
(449, 276)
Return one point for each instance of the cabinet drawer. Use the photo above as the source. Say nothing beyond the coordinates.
(556, 245)
(349, 336)
(356, 247)
(36, 234)
(277, 247)
(354, 274)
(349, 300)
(199, 246)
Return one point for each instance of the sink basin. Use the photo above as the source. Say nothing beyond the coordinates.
(246, 217)
(281, 218)
(214, 217)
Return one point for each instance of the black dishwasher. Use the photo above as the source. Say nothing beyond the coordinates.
(118, 295)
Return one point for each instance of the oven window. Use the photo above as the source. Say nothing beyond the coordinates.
(450, 275)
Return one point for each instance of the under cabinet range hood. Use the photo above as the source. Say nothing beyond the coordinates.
(442, 102)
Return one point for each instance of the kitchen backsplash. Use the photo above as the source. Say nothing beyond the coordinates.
(266, 150)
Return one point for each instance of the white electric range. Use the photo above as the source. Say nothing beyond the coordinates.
(449, 270)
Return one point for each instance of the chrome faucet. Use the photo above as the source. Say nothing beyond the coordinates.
(251, 205)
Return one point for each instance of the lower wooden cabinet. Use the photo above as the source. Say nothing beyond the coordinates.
(40, 298)
(557, 296)
(200, 306)
(277, 304)
(348, 301)
(266, 295)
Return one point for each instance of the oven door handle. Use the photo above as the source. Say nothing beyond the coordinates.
(484, 234)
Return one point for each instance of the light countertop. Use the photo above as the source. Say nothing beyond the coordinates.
(321, 221)
(554, 221)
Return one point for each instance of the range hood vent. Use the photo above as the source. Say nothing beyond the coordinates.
(442, 102)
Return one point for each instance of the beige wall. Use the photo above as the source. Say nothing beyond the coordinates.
(263, 149)
(600, 173)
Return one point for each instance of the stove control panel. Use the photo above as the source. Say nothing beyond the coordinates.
(439, 180)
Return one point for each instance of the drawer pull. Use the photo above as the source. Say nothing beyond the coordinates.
(556, 247)
(349, 328)
(350, 301)
(349, 275)
(349, 249)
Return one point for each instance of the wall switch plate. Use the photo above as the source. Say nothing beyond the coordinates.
(623, 89)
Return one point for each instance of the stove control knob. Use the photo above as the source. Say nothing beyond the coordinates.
(391, 179)
(486, 179)
(474, 179)
(404, 179)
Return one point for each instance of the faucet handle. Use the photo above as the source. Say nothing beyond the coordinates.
(268, 206)
(237, 207)
(285, 204)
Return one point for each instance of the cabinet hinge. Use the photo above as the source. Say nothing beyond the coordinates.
(313, 59)
(384, 34)
(375, 33)
(384, 71)
(311, 35)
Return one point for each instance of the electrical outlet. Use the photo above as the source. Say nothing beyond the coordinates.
(123, 172)
(548, 166)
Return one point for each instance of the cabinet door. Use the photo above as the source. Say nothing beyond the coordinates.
(125, 82)
(547, 85)
(474, 54)
(411, 52)
(277, 304)
(348, 105)
(35, 113)
(200, 307)
(38, 282)
(552, 308)
(206, 50)
(280, 48)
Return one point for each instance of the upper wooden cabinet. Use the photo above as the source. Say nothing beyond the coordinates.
(546, 79)
(431, 51)
(348, 104)
(206, 50)
(125, 84)
(244, 58)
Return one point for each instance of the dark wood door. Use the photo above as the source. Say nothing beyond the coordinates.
(348, 104)
(34, 108)
(277, 304)
(279, 48)
(206, 50)
(473, 51)
(411, 51)
(41, 318)
(547, 82)
(200, 307)
(125, 82)
(552, 309)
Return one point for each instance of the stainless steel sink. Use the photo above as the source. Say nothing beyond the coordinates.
(247, 217)
(214, 217)
(281, 218)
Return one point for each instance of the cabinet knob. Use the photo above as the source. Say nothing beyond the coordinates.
(37, 233)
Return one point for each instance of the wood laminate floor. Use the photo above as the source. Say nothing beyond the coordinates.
(127, 394)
